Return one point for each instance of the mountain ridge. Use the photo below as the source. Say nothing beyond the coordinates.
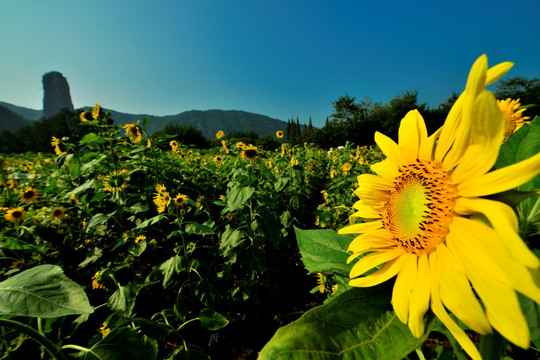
(207, 121)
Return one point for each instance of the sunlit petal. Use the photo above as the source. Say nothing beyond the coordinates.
(420, 295)
(403, 286)
(370, 261)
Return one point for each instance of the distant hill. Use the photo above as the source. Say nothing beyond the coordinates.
(28, 114)
(209, 122)
(10, 120)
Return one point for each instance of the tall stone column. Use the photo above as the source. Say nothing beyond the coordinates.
(56, 94)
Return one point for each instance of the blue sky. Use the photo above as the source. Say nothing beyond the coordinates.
(284, 59)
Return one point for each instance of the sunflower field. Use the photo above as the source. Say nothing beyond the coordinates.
(124, 245)
(125, 242)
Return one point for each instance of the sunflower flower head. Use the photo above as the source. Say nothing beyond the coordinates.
(96, 111)
(133, 132)
(162, 199)
(421, 224)
(181, 200)
(29, 195)
(514, 118)
(249, 153)
(55, 143)
(220, 134)
(14, 215)
(279, 134)
(58, 213)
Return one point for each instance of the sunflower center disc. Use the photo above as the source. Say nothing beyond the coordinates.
(420, 207)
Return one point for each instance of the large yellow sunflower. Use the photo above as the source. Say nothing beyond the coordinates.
(162, 199)
(428, 222)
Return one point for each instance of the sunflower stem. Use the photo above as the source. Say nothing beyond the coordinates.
(491, 346)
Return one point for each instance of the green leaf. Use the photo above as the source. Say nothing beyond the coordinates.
(43, 291)
(280, 183)
(91, 258)
(90, 184)
(238, 196)
(121, 343)
(358, 324)
(324, 251)
(531, 310)
(520, 146)
(150, 221)
(230, 239)
(171, 268)
(212, 320)
(123, 300)
(92, 137)
(198, 229)
(136, 249)
(145, 121)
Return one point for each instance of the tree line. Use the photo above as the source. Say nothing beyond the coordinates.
(352, 120)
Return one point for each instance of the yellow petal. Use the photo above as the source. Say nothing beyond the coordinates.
(365, 211)
(427, 148)
(388, 271)
(501, 180)
(497, 71)
(504, 221)
(361, 245)
(447, 133)
(440, 312)
(390, 149)
(372, 260)
(480, 245)
(403, 286)
(456, 292)
(412, 132)
(502, 306)
(374, 182)
(420, 294)
(361, 228)
(386, 169)
(486, 132)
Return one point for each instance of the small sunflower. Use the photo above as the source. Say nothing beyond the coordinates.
(279, 134)
(162, 199)
(346, 167)
(58, 213)
(181, 200)
(249, 153)
(140, 238)
(115, 181)
(29, 195)
(85, 116)
(96, 281)
(224, 145)
(220, 134)
(514, 118)
(133, 132)
(15, 215)
(55, 143)
(320, 282)
(240, 145)
(96, 111)
(217, 159)
(174, 146)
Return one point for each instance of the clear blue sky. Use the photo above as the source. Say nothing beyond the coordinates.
(278, 58)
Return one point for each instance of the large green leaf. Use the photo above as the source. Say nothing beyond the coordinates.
(43, 291)
(230, 239)
(123, 300)
(324, 251)
(121, 343)
(171, 268)
(238, 196)
(358, 324)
